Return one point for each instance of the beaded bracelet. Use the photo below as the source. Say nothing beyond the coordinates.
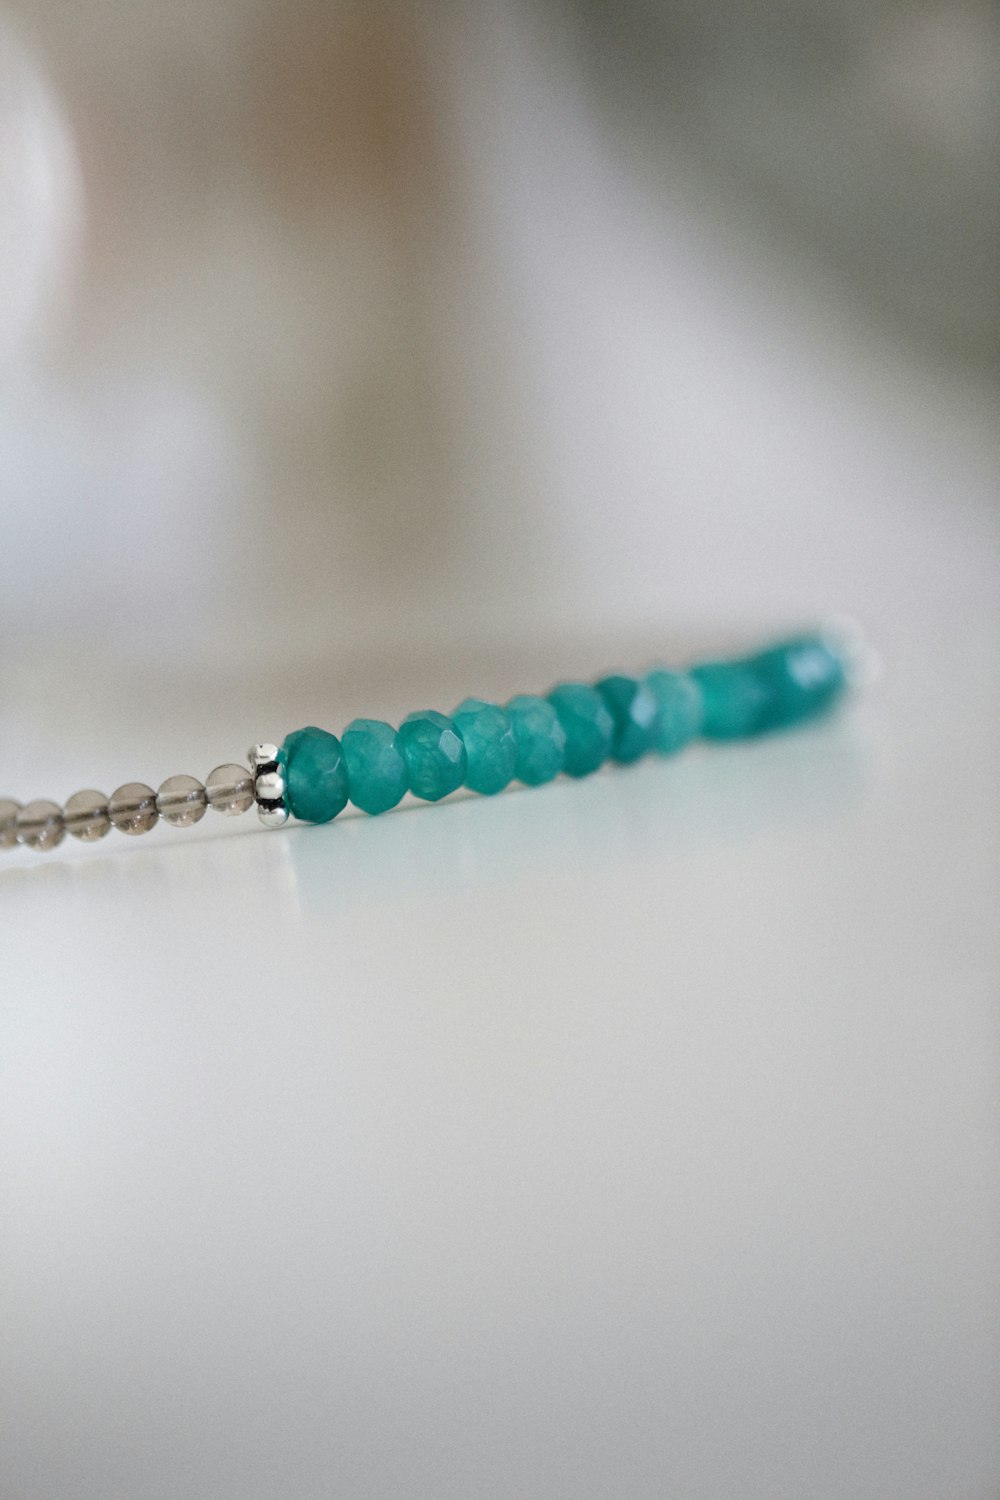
(573, 730)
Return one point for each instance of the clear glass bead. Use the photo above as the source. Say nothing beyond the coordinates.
(86, 816)
(230, 790)
(40, 825)
(132, 808)
(181, 801)
(9, 810)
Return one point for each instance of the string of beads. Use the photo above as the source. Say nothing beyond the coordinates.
(573, 730)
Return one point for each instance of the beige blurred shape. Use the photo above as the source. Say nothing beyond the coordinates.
(41, 200)
(381, 340)
(248, 359)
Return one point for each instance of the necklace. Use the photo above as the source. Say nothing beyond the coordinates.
(573, 730)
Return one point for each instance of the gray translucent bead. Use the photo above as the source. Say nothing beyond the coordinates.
(9, 810)
(230, 790)
(40, 825)
(132, 808)
(86, 816)
(181, 801)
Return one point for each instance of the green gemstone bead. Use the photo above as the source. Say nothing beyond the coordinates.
(633, 709)
(679, 709)
(803, 678)
(376, 767)
(541, 739)
(787, 684)
(734, 699)
(587, 725)
(490, 746)
(434, 753)
(315, 774)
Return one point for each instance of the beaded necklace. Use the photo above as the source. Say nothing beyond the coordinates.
(573, 730)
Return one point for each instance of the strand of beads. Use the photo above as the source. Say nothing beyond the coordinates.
(574, 730)
(134, 808)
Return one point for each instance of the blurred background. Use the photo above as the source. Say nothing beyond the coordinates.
(637, 1139)
(334, 329)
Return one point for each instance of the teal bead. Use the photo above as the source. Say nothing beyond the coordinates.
(789, 683)
(734, 699)
(803, 678)
(376, 767)
(587, 725)
(490, 746)
(434, 753)
(679, 709)
(315, 774)
(633, 709)
(541, 739)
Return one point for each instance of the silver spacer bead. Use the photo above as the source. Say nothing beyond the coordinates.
(268, 785)
(272, 817)
(261, 756)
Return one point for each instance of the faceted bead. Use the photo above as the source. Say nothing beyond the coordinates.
(587, 725)
(9, 810)
(679, 709)
(435, 755)
(734, 699)
(229, 790)
(541, 739)
(490, 746)
(315, 774)
(132, 808)
(86, 816)
(376, 769)
(40, 825)
(633, 708)
(802, 677)
(181, 801)
(790, 682)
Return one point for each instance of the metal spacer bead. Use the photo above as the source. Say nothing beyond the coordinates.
(268, 785)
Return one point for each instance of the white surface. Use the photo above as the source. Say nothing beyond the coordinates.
(636, 1138)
